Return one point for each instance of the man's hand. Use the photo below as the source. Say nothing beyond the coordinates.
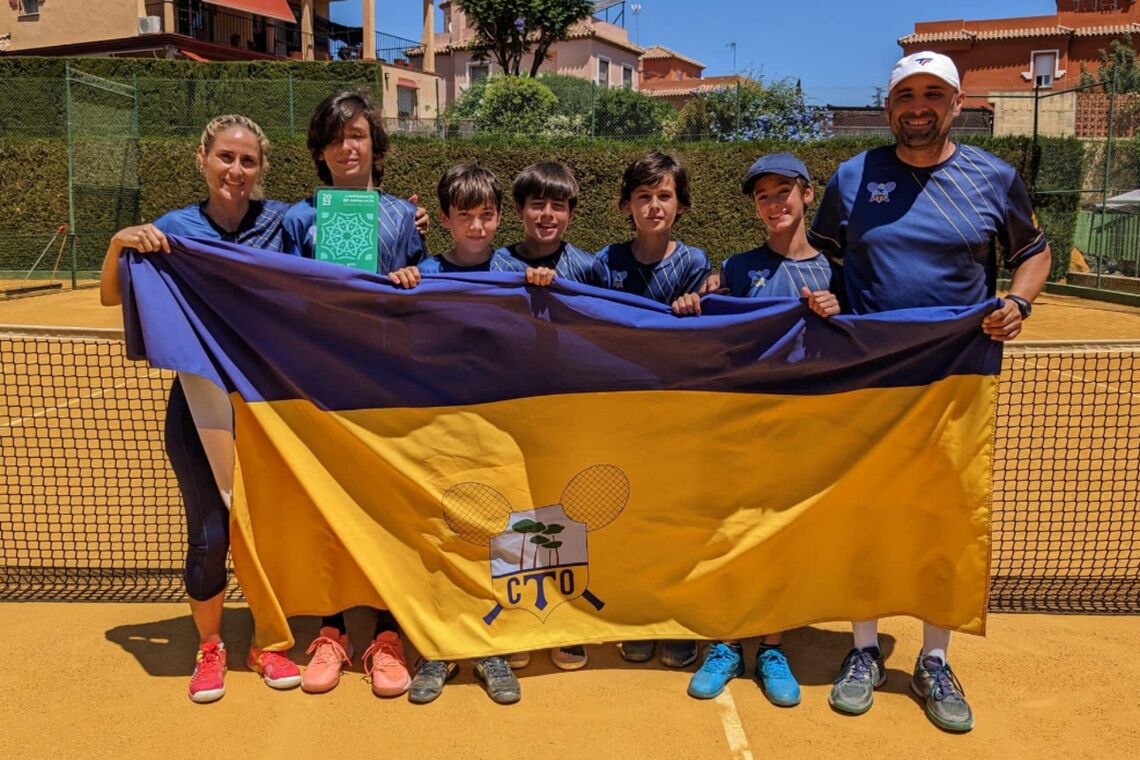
(541, 276)
(421, 214)
(822, 302)
(687, 305)
(1004, 323)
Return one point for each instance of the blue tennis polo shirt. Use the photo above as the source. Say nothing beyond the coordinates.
(910, 236)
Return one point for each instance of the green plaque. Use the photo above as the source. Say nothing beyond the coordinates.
(347, 227)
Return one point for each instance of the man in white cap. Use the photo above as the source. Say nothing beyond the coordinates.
(918, 223)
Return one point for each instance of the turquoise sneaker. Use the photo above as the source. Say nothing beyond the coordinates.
(775, 676)
(723, 662)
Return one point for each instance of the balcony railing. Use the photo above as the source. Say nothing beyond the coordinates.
(209, 23)
(206, 22)
(346, 44)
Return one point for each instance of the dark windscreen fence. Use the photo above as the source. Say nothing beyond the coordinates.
(89, 509)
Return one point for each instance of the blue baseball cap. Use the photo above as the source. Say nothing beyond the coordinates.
(784, 164)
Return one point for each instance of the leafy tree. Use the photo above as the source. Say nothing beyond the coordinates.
(1119, 60)
(752, 111)
(507, 30)
(624, 113)
(514, 105)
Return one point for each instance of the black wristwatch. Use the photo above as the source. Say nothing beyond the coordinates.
(1023, 306)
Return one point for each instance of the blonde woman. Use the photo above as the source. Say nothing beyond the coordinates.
(232, 159)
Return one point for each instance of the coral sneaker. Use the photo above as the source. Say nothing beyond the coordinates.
(277, 670)
(331, 651)
(208, 684)
(384, 662)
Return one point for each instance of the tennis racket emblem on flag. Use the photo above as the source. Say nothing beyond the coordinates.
(539, 556)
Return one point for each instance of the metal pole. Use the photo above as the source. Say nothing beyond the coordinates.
(135, 125)
(1033, 148)
(593, 109)
(70, 171)
(1107, 171)
(292, 114)
(438, 115)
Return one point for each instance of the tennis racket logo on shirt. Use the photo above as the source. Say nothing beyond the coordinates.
(539, 556)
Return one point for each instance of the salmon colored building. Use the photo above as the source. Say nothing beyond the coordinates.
(1017, 54)
(676, 78)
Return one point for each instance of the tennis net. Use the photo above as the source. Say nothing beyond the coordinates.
(89, 509)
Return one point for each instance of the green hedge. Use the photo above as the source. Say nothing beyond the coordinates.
(721, 221)
(175, 97)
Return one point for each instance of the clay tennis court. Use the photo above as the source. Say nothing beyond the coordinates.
(108, 679)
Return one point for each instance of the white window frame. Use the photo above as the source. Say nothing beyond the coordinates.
(24, 11)
(598, 71)
(1054, 75)
(625, 67)
(490, 69)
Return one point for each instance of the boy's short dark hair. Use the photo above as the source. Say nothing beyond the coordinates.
(546, 180)
(329, 121)
(466, 186)
(649, 170)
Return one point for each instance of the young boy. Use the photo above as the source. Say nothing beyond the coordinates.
(786, 265)
(655, 193)
(470, 207)
(470, 202)
(546, 194)
(348, 145)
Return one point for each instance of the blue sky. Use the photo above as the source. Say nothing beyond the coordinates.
(839, 49)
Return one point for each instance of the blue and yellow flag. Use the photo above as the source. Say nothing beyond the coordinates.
(508, 467)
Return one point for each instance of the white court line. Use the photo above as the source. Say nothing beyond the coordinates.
(733, 728)
(18, 421)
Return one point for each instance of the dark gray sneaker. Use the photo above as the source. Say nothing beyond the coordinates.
(862, 672)
(431, 675)
(946, 704)
(501, 683)
(637, 651)
(679, 654)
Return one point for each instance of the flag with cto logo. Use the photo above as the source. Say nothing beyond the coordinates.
(508, 467)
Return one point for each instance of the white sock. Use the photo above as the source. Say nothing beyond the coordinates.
(866, 634)
(935, 641)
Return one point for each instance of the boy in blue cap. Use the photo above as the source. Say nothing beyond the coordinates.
(784, 266)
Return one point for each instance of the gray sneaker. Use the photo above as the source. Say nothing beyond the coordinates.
(431, 675)
(679, 654)
(946, 704)
(862, 672)
(501, 683)
(637, 651)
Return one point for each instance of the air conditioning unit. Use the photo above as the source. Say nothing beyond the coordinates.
(150, 24)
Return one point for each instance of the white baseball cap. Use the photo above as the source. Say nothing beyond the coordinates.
(925, 62)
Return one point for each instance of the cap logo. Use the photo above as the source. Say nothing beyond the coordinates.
(923, 61)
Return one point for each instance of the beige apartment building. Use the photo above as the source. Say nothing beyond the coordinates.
(595, 50)
(229, 30)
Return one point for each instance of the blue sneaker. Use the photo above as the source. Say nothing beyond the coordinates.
(723, 662)
(775, 676)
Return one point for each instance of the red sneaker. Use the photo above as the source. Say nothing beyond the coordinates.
(208, 684)
(388, 669)
(277, 670)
